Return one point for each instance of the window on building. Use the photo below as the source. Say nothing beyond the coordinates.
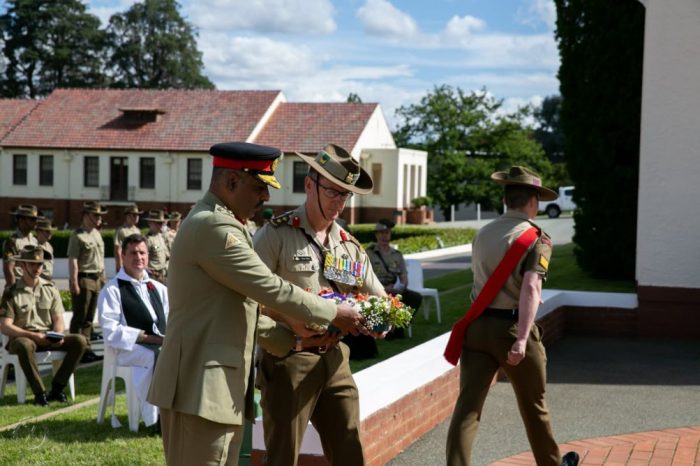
(91, 172)
(377, 178)
(19, 169)
(300, 171)
(147, 173)
(194, 174)
(46, 170)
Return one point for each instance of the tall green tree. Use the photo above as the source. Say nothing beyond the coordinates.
(601, 48)
(549, 134)
(154, 47)
(467, 138)
(48, 44)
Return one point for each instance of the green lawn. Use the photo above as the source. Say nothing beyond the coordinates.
(76, 438)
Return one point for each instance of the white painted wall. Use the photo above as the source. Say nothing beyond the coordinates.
(376, 134)
(170, 182)
(669, 207)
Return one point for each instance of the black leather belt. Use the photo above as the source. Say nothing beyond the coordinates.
(314, 349)
(511, 314)
(93, 276)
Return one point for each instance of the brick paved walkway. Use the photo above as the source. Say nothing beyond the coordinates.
(669, 447)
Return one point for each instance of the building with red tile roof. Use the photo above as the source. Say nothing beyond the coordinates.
(151, 147)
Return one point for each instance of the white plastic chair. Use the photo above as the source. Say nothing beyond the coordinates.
(415, 283)
(110, 371)
(42, 357)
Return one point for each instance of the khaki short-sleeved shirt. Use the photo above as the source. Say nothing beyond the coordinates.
(286, 250)
(89, 248)
(157, 251)
(123, 232)
(492, 243)
(32, 309)
(48, 263)
(14, 244)
(390, 268)
(170, 238)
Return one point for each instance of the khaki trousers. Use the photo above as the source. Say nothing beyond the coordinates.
(26, 348)
(190, 440)
(485, 349)
(84, 306)
(307, 386)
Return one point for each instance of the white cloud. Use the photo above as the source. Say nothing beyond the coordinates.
(286, 16)
(104, 10)
(460, 29)
(536, 12)
(381, 18)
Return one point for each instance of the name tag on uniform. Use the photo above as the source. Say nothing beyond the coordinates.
(302, 258)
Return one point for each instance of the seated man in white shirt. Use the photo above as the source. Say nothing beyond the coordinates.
(133, 311)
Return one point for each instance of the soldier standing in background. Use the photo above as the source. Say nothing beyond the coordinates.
(86, 272)
(130, 227)
(27, 216)
(174, 220)
(158, 250)
(44, 230)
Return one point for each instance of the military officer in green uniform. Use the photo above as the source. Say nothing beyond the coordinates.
(27, 216)
(313, 381)
(29, 309)
(504, 335)
(44, 230)
(389, 265)
(202, 380)
(158, 250)
(86, 272)
(174, 220)
(130, 227)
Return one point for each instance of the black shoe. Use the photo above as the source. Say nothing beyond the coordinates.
(570, 459)
(95, 337)
(56, 394)
(40, 399)
(90, 356)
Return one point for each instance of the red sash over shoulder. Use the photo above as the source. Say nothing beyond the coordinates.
(488, 293)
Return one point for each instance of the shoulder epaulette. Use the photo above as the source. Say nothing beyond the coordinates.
(346, 236)
(218, 208)
(282, 219)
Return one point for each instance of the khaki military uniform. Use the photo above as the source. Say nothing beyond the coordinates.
(13, 245)
(89, 249)
(158, 255)
(203, 373)
(35, 309)
(388, 269)
(489, 338)
(310, 385)
(48, 263)
(124, 232)
(170, 238)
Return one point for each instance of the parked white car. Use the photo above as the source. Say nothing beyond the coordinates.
(565, 202)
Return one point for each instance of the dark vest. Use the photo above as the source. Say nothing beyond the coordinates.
(135, 311)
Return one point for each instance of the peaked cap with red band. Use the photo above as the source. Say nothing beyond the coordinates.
(259, 161)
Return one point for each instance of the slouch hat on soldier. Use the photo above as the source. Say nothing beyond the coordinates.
(259, 161)
(337, 165)
(32, 253)
(523, 176)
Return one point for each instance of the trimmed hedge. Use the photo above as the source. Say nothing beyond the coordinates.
(411, 239)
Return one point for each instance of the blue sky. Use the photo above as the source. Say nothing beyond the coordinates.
(387, 51)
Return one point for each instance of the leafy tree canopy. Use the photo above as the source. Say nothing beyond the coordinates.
(154, 47)
(354, 98)
(467, 138)
(48, 44)
(549, 134)
(601, 46)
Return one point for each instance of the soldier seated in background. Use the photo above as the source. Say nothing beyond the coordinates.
(389, 265)
(28, 310)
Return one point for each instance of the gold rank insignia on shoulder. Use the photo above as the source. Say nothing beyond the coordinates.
(544, 262)
(282, 219)
(231, 240)
(221, 209)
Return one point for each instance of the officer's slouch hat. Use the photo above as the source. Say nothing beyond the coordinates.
(32, 253)
(336, 165)
(523, 176)
(383, 225)
(259, 161)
